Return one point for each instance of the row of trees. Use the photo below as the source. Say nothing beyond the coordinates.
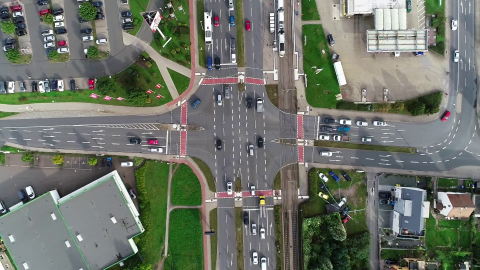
(29, 157)
(327, 247)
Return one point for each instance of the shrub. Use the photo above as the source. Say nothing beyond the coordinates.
(47, 18)
(148, 100)
(57, 159)
(105, 87)
(92, 161)
(416, 108)
(8, 27)
(136, 96)
(398, 107)
(53, 54)
(345, 105)
(12, 55)
(432, 102)
(87, 11)
(383, 107)
(148, 64)
(92, 52)
(28, 157)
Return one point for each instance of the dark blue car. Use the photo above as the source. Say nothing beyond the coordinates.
(109, 162)
(334, 176)
(196, 103)
(232, 20)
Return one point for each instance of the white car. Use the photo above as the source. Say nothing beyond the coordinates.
(262, 233)
(324, 137)
(155, 150)
(101, 41)
(326, 153)
(63, 50)
(456, 56)
(49, 38)
(454, 25)
(127, 20)
(346, 122)
(58, 18)
(11, 87)
(30, 192)
(379, 123)
(41, 88)
(126, 164)
(255, 258)
(337, 138)
(323, 177)
(229, 188)
(59, 24)
(252, 190)
(60, 86)
(254, 229)
(87, 38)
(362, 123)
(17, 14)
(47, 32)
(366, 139)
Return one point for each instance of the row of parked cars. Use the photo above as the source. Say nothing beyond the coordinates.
(25, 195)
(348, 122)
(334, 176)
(40, 86)
(18, 19)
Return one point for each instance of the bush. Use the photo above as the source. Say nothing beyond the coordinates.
(148, 100)
(57, 159)
(8, 27)
(416, 108)
(92, 52)
(398, 107)
(12, 55)
(28, 157)
(87, 11)
(106, 87)
(136, 96)
(53, 54)
(432, 102)
(440, 48)
(47, 18)
(92, 161)
(148, 64)
(345, 105)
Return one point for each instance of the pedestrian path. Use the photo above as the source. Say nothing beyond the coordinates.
(311, 22)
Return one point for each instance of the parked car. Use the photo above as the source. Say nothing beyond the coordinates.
(323, 195)
(109, 162)
(43, 12)
(324, 137)
(127, 26)
(49, 45)
(41, 87)
(379, 123)
(30, 192)
(22, 86)
(346, 176)
(346, 219)
(81, 20)
(334, 176)
(46, 85)
(58, 18)
(91, 84)
(326, 129)
(57, 11)
(8, 47)
(345, 122)
(72, 85)
(132, 194)
(362, 123)
(155, 150)
(330, 40)
(87, 38)
(34, 86)
(42, 2)
(18, 20)
(63, 50)
(101, 41)
(126, 13)
(21, 26)
(323, 177)
(5, 16)
(17, 14)
(16, 8)
(127, 20)
(100, 16)
(86, 31)
(61, 87)
(49, 38)
(60, 31)
(47, 32)
(386, 195)
(21, 32)
(327, 120)
(97, 4)
(343, 129)
(126, 164)
(54, 84)
(11, 87)
(59, 24)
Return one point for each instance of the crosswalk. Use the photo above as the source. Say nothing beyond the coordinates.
(145, 126)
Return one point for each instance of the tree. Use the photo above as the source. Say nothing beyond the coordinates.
(87, 11)
(47, 18)
(8, 27)
(12, 55)
(335, 227)
(53, 54)
(92, 52)
(92, 161)
(57, 159)
(105, 87)
(28, 157)
(136, 96)
(416, 108)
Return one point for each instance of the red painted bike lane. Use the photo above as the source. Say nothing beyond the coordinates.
(212, 81)
(254, 81)
(183, 133)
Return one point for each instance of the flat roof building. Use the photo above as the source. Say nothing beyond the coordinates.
(90, 228)
(365, 7)
(410, 211)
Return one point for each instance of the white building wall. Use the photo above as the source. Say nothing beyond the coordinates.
(395, 22)
(378, 19)
(387, 19)
(442, 197)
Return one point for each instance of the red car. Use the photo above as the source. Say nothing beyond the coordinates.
(217, 22)
(16, 8)
(61, 43)
(247, 25)
(91, 84)
(44, 11)
(152, 141)
(346, 219)
(445, 116)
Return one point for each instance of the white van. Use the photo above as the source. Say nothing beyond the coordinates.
(362, 123)
(326, 154)
(250, 149)
(219, 100)
(230, 4)
(263, 263)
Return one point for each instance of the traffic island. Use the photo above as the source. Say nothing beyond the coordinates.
(278, 235)
(372, 147)
(239, 25)
(55, 57)
(272, 92)
(213, 218)
(22, 59)
(202, 50)
(239, 236)
(207, 173)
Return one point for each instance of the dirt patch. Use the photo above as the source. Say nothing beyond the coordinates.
(350, 194)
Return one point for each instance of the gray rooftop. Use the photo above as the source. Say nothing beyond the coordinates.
(415, 222)
(39, 240)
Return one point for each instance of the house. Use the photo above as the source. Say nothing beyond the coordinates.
(410, 211)
(454, 205)
(476, 201)
(410, 264)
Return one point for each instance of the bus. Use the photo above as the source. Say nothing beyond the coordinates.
(208, 27)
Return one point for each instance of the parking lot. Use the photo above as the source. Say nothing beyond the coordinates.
(405, 77)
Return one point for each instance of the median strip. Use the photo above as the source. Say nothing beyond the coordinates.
(371, 147)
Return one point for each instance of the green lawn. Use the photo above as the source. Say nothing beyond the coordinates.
(277, 182)
(213, 238)
(356, 199)
(360, 146)
(239, 237)
(239, 25)
(62, 58)
(136, 7)
(206, 172)
(7, 114)
(278, 236)
(447, 183)
(202, 51)
(181, 81)
(455, 224)
(322, 87)
(400, 254)
(464, 239)
(23, 60)
(309, 11)
(178, 48)
(430, 233)
(447, 237)
(185, 240)
(272, 92)
(134, 76)
(186, 189)
(435, 6)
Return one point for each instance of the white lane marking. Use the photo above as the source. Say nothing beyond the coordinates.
(115, 135)
(399, 161)
(27, 139)
(85, 142)
(115, 143)
(12, 138)
(369, 158)
(42, 140)
(414, 162)
(72, 133)
(70, 141)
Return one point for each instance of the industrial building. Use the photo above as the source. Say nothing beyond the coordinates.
(368, 7)
(91, 228)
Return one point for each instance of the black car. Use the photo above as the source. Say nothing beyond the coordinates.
(99, 10)
(42, 2)
(385, 195)
(100, 16)
(57, 11)
(323, 186)
(326, 129)
(4, 16)
(97, 4)
(60, 31)
(54, 84)
(219, 144)
(4, 10)
(327, 120)
(330, 40)
(126, 13)
(217, 63)
(249, 102)
(127, 26)
(245, 218)
(23, 196)
(346, 176)
(135, 140)
(21, 32)
(9, 41)
(9, 47)
(21, 26)
(81, 20)
(260, 142)
(109, 162)
(18, 19)
(34, 86)
(86, 31)
(72, 85)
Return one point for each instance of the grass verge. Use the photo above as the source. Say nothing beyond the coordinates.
(62, 57)
(185, 240)
(447, 183)
(178, 48)
(239, 26)
(278, 236)
(137, 161)
(181, 81)
(272, 92)
(202, 51)
(309, 10)
(185, 188)
(277, 182)
(358, 146)
(322, 87)
(400, 254)
(137, 6)
(239, 236)
(238, 184)
(206, 172)
(213, 238)
(437, 7)
(23, 60)
(152, 184)
(7, 114)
